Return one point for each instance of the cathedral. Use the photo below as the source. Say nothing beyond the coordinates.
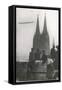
(41, 40)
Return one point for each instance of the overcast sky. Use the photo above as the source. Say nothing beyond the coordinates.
(25, 31)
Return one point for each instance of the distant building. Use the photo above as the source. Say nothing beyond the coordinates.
(41, 40)
(36, 38)
(37, 69)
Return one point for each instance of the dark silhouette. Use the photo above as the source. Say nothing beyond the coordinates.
(31, 56)
(41, 40)
(53, 53)
(37, 54)
(44, 57)
(50, 70)
(56, 63)
(56, 76)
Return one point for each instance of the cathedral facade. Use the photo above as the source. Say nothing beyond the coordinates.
(41, 40)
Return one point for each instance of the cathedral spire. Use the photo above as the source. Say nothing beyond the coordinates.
(44, 39)
(36, 35)
(37, 26)
(41, 41)
(45, 26)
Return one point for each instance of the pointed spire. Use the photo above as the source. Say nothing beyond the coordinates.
(45, 25)
(36, 35)
(44, 39)
(37, 25)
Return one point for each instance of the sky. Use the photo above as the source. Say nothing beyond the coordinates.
(25, 31)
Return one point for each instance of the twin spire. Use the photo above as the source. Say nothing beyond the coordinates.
(38, 27)
(41, 40)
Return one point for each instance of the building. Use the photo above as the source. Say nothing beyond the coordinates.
(36, 38)
(37, 69)
(41, 40)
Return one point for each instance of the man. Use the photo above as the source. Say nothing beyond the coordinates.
(56, 63)
(44, 57)
(53, 52)
(31, 55)
(37, 54)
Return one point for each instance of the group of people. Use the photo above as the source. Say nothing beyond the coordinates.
(37, 55)
(54, 55)
(53, 68)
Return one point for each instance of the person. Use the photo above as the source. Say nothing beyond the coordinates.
(30, 64)
(50, 70)
(44, 57)
(37, 54)
(31, 55)
(56, 63)
(53, 52)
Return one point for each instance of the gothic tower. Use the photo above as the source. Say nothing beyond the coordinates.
(44, 39)
(41, 40)
(36, 38)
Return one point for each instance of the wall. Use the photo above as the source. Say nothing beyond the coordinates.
(4, 44)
